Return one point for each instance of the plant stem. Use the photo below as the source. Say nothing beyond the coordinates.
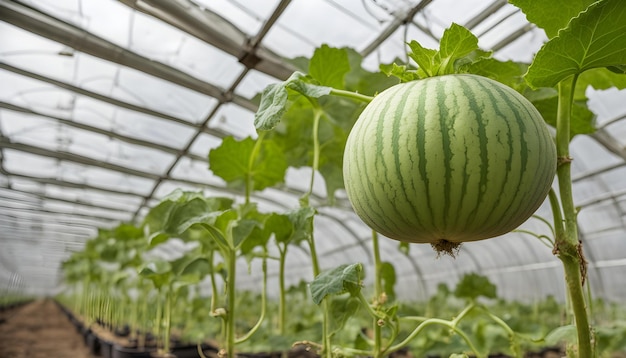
(317, 113)
(351, 95)
(515, 346)
(281, 296)
(378, 293)
(230, 313)
(431, 321)
(213, 282)
(428, 321)
(159, 318)
(545, 221)
(141, 340)
(263, 307)
(249, 176)
(568, 247)
(368, 307)
(325, 309)
(316, 149)
(134, 317)
(167, 315)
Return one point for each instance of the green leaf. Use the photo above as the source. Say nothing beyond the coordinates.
(596, 38)
(242, 230)
(563, 334)
(388, 276)
(360, 342)
(404, 248)
(342, 279)
(487, 335)
(294, 137)
(231, 162)
(274, 99)
(333, 142)
(582, 120)
(158, 271)
(214, 238)
(157, 267)
(458, 47)
(293, 131)
(424, 57)
(199, 266)
(184, 281)
(280, 225)
(273, 105)
(306, 86)
(119, 276)
(341, 310)
(160, 218)
(507, 72)
(108, 252)
(619, 69)
(474, 56)
(333, 175)
(363, 81)
(329, 66)
(217, 229)
(127, 232)
(456, 43)
(186, 214)
(302, 221)
(403, 72)
(157, 238)
(189, 271)
(611, 338)
(473, 286)
(551, 15)
(599, 79)
(224, 220)
(258, 238)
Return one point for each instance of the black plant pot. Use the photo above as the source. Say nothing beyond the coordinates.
(93, 343)
(77, 324)
(191, 351)
(106, 348)
(85, 332)
(183, 351)
(122, 331)
(131, 352)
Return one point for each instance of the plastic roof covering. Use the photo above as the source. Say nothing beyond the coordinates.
(107, 106)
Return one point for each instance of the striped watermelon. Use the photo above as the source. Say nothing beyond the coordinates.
(448, 159)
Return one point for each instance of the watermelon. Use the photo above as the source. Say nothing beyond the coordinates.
(448, 159)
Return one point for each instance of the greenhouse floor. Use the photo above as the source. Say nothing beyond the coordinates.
(39, 329)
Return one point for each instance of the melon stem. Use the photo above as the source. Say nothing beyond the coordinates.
(567, 245)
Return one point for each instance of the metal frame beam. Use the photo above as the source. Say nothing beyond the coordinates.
(75, 158)
(116, 102)
(69, 184)
(79, 202)
(399, 20)
(107, 133)
(47, 26)
(42, 211)
(218, 32)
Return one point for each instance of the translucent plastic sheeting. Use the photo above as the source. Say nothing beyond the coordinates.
(124, 104)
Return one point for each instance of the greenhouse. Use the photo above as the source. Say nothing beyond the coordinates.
(321, 178)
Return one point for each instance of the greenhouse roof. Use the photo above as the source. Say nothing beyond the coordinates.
(108, 106)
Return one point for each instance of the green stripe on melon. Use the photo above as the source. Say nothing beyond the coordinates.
(452, 159)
